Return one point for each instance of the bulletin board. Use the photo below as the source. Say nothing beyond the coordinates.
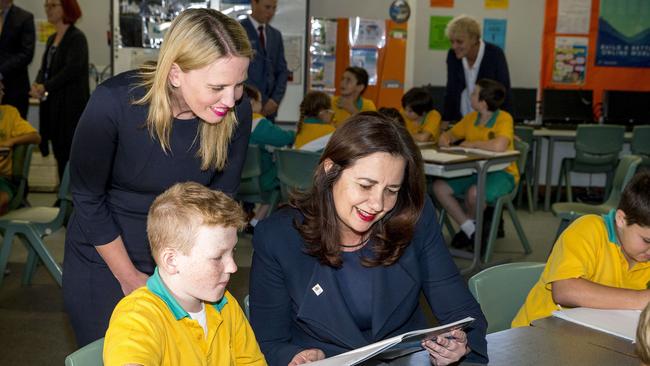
(596, 78)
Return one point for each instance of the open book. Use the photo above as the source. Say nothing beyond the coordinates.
(364, 353)
(621, 323)
(475, 151)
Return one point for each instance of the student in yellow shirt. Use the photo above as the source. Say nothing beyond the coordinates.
(184, 315)
(350, 101)
(14, 130)
(422, 120)
(598, 262)
(487, 128)
(315, 126)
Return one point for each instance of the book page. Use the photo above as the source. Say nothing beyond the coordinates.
(440, 157)
(475, 151)
(621, 323)
(361, 354)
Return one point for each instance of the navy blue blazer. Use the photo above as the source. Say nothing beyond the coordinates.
(287, 315)
(268, 68)
(16, 52)
(493, 66)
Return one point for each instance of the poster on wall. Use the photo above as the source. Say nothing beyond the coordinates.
(322, 73)
(437, 38)
(496, 4)
(573, 16)
(623, 33)
(44, 30)
(293, 55)
(367, 59)
(494, 31)
(442, 3)
(322, 52)
(570, 60)
(367, 32)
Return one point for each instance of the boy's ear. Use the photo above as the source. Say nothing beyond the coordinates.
(169, 260)
(620, 219)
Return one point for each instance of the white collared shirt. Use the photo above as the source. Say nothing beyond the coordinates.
(471, 73)
(256, 25)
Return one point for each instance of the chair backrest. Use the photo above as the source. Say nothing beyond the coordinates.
(625, 170)
(501, 290)
(641, 140)
(88, 355)
(251, 172)
(599, 144)
(525, 133)
(64, 197)
(295, 169)
(21, 160)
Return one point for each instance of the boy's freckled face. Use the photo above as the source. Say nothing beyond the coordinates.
(207, 268)
(634, 239)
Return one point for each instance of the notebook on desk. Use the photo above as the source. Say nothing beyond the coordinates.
(621, 323)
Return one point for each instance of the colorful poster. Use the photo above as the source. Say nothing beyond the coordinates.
(494, 31)
(367, 32)
(442, 3)
(437, 38)
(293, 54)
(570, 61)
(43, 30)
(573, 16)
(496, 4)
(322, 73)
(623, 33)
(367, 59)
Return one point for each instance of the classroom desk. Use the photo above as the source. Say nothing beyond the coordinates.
(552, 136)
(482, 165)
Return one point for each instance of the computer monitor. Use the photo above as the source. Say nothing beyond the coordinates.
(438, 94)
(567, 106)
(626, 108)
(524, 104)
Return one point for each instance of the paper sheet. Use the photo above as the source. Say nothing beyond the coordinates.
(621, 323)
(440, 157)
(481, 152)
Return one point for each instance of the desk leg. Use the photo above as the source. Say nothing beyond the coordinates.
(549, 173)
(481, 171)
(538, 155)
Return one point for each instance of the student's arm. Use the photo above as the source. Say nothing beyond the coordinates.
(575, 292)
(30, 138)
(269, 134)
(457, 132)
(423, 136)
(503, 133)
(497, 144)
(245, 349)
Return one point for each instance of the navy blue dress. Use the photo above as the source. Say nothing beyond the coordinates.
(117, 170)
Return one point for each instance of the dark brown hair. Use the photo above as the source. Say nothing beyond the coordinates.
(419, 100)
(492, 92)
(360, 74)
(635, 200)
(252, 93)
(364, 134)
(312, 104)
(71, 11)
(393, 114)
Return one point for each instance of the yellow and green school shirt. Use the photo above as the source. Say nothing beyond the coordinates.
(312, 129)
(340, 114)
(589, 249)
(11, 125)
(430, 123)
(149, 327)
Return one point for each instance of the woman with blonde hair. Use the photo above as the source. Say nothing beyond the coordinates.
(179, 119)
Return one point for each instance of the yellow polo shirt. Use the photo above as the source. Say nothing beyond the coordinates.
(500, 124)
(149, 327)
(588, 249)
(11, 125)
(310, 130)
(340, 114)
(430, 124)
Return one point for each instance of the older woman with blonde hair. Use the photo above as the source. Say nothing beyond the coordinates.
(179, 119)
(470, 59)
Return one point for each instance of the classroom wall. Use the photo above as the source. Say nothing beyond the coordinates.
(523, 35)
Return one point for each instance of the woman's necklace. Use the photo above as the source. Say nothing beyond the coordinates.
(362, 242)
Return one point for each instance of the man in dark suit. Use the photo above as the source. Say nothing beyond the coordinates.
(268, 69)
(470, 59)
(17, 37)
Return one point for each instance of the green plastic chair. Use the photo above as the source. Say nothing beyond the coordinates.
(568, 211)
(502, 290)
(641, 144)
(21, 160)
(525, 133)
(597, 150)
(31, 225)
(88, 355)
(247, 307)
(295, 169)
(250, 187)
(507, 200)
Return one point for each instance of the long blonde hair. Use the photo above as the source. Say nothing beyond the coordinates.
(196, 38)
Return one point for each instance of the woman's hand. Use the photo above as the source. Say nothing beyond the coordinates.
(37, 91)
(308, 355)
(447, 348)
(133, 281)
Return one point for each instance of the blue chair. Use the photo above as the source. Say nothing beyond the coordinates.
(31, 225)
(502, 290)
(526, 173)
(641, 144)
(88, 355)
(21, 161)
(295, 169)
(250, 187)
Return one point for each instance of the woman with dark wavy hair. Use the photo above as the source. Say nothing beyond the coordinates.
(345, 264)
